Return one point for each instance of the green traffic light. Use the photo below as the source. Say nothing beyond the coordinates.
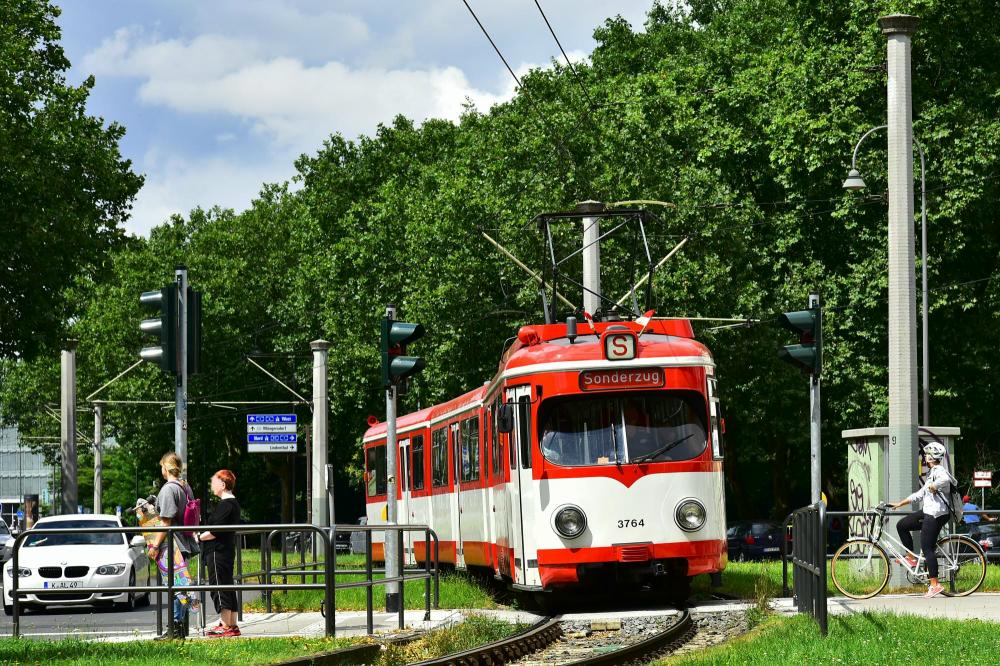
(396, 335)
(808, 325)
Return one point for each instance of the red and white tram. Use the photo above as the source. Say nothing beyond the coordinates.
(586, 459)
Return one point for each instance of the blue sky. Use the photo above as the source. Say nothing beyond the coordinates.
(220, 96)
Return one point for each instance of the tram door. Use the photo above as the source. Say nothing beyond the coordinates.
(405, 482)
(501, 498)
(456, 509)
(522, 493)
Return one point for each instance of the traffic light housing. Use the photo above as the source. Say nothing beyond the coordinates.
(396, 365)
(808, 354)
(166, 328)
(163, 327)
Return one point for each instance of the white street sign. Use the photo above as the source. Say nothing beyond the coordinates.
(271, 427)
(271, 447)
(988, 476)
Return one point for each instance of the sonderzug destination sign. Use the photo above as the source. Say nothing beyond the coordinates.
(599, 380)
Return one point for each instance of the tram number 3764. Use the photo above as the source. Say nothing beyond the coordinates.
(631, 522)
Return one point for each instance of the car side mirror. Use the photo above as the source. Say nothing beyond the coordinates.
(137, 541)
(505, 418)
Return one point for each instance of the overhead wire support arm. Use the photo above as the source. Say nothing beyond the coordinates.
(646, 277)
(117, 377)
(521, 265)
(281, 383)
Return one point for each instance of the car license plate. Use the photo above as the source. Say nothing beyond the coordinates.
(771, 550)
(62, 584)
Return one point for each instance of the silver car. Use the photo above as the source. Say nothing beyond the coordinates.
(5, 540)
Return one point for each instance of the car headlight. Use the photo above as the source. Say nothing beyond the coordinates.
(22, 572)
(690, 515)
(570, 521)
(110, 570)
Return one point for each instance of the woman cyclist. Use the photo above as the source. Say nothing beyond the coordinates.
(934, 501)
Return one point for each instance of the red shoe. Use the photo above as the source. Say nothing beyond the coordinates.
(907, 561)
(230, 632)
(217, 630)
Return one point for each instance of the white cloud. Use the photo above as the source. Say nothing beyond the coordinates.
(293, 104)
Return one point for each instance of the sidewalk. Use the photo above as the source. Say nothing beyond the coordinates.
(979, 605)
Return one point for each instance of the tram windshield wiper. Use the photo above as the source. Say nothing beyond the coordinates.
(663, 449)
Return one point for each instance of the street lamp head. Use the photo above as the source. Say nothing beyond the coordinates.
(854, 181)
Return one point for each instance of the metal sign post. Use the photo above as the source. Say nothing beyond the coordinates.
(391, 556)
(180, 393)
(815, 434)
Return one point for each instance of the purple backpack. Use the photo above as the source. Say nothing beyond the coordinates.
(192, 509)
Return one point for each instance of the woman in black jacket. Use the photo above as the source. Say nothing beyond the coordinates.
(219, 551)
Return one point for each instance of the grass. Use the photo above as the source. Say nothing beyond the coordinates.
(742, 579)
(457, 591)
(869, 638)
(475, 631)
(245, 651)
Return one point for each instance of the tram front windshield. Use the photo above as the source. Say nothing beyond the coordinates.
(622, 429)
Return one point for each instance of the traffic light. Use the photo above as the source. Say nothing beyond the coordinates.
(164, 327)
(193, 331)
(808, 354)
(396, 365)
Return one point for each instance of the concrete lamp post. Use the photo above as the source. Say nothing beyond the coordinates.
(855, 182)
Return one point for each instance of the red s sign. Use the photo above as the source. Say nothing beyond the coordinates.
(619, 346)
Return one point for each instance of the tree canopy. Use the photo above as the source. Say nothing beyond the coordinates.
(742, 114)
(64, 187)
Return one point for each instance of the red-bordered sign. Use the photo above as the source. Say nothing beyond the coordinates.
(619, 345)
(610, 380)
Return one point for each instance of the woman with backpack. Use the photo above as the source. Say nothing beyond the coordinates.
(220, 551)
(934, 497)
(172, 503)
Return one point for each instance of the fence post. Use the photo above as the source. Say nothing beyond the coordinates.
(331, 584)
(265, 559)
(239, 575)
(170, 583)
(368, 577)
(427, 572)
(402, 574)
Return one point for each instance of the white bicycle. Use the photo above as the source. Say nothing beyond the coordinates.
(860, 567)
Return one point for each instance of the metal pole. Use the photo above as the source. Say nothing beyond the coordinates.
(903, 442)
(926, 369)
(815, 435)
(317, 464)
(98, 460)
(591, 256)
(391, 563)
(67, 424)
(329, 497)
(180, 392)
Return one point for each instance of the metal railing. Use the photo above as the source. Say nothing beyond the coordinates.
(809, 561)
(329, 572)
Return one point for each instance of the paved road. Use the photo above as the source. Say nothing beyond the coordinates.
(91, 622)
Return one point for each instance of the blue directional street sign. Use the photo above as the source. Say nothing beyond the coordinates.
(271, 418)
(20, 514)
(272, 439)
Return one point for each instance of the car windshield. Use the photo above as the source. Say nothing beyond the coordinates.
(760, 529)
(79, 539)
(617, 429)
(989, 530)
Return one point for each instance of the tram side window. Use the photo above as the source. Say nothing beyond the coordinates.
(524, 432)
(417, 466)
(439, 458)
(497, 449)
(375, 464)
(470, 449)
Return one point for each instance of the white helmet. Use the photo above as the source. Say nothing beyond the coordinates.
(934, 451)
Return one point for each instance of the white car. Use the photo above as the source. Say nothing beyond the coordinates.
(62, 562)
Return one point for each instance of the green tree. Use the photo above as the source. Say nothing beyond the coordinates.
(64, 186)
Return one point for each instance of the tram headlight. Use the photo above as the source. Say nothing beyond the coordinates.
(570, 521)
(690, 515)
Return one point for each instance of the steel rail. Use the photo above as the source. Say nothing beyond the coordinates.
(503, 651)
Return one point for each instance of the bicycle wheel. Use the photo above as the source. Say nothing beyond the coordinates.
(961, 565)
(860, 569)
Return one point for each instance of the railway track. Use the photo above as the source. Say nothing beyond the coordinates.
(607, 642)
